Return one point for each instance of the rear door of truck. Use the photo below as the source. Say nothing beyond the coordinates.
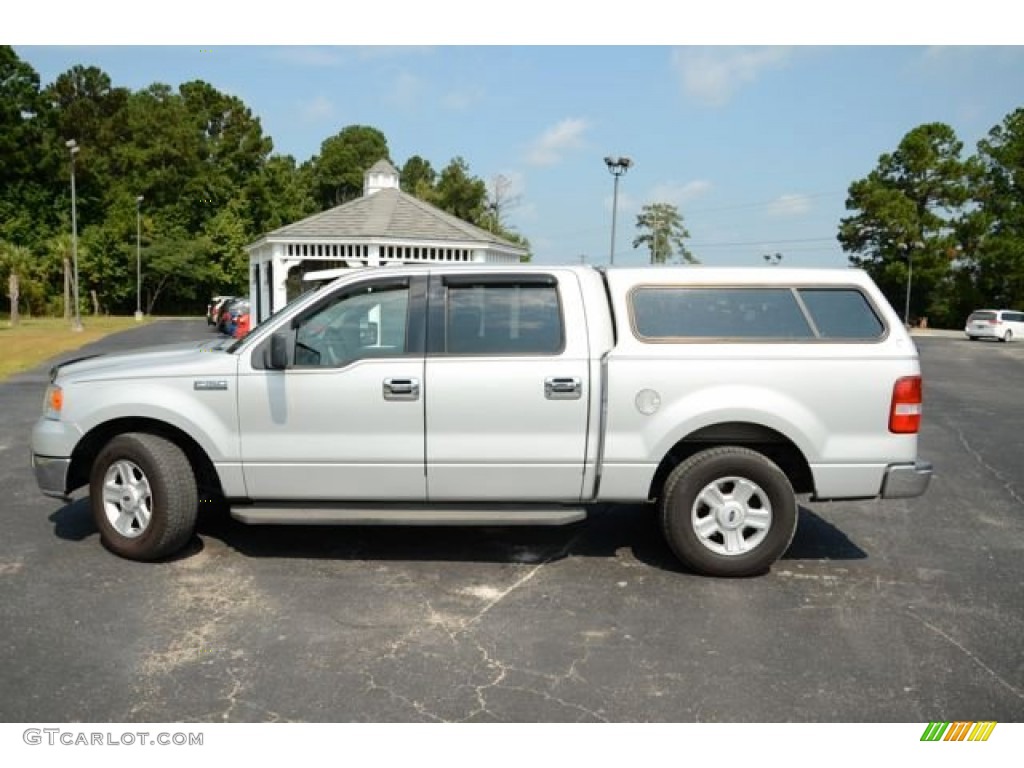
(507, 390)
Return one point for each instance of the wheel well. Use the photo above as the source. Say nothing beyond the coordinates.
(92, 443)
(768, 442)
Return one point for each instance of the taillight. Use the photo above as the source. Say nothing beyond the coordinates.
(905, 411)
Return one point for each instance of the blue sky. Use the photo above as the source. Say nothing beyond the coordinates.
(756, 145)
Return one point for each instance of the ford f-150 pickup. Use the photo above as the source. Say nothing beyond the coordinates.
(475, 395)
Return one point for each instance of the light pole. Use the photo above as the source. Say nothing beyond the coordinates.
(138, 259)
(909, 250)
(76, 322)
(616, 166)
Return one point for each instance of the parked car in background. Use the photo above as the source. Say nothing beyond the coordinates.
(214, 307)
(1002, 324)
(243, 326)
(236, 312)
(224, 314)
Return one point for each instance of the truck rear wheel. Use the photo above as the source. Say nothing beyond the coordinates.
(143, 496)
(728, 511)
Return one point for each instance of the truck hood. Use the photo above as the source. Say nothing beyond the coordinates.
(182, 359)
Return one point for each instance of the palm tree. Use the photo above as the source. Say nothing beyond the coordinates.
(59, 252)
(15, 260)
(661, 230)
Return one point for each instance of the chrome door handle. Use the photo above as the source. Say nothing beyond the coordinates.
(563, 388)
(401, 389)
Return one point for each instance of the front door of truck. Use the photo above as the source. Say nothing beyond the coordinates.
(344, 420)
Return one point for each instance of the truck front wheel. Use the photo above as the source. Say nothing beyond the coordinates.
(728, 511)
(143, 496)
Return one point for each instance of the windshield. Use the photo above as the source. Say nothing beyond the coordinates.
(236, 343)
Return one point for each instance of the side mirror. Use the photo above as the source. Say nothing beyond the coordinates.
(278, 351)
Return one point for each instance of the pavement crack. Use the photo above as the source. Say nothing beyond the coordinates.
(1007, 484)
(1015, 691)
(523, 580)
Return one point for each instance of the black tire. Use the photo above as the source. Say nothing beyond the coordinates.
(758, 530)
(143, 495)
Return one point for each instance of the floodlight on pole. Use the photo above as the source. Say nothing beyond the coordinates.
(76, 321)
(616, 167)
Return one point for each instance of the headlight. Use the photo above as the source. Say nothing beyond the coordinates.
(53, 403)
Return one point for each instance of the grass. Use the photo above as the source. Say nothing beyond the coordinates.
(37, 339)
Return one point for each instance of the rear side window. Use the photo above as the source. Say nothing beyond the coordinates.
(708, 313)
(503, 319)
(758, 314)
(841, 313)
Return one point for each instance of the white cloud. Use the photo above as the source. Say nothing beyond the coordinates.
(790, 205)
(554, 142)
(405, 90)
(627, 203)
(323, 56)
(713, 75)
(678, 194)
(462, 98)
(319, 109)
(309, 56)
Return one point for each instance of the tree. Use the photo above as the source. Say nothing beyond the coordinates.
(992, 236)
(56, 270)
(279, 194)
(15, 263)
(461, 194)
(662, 231)
(25, 196)
(418, 178)
(917, 194)
(338, 170)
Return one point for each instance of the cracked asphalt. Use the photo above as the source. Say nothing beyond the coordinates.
(895, 612)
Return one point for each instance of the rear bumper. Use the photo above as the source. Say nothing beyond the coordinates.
(51, 475)
(904, 481)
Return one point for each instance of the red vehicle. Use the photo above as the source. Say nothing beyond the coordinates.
(242, 326)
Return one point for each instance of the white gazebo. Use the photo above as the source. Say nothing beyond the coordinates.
(384, 226)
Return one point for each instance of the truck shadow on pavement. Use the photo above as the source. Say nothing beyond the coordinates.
(609, 532)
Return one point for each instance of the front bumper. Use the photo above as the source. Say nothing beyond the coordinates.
(905, 481)
(51, 475)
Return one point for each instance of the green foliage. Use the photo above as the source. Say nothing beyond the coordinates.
(460, 194)
(662, 231)
(337, 172)
(418, 177)
(908, 212)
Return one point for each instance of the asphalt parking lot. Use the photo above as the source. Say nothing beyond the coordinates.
(896, 612)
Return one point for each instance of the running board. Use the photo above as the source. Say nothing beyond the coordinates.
(370, 514)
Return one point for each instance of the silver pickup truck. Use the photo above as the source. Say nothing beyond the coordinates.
(474, 395)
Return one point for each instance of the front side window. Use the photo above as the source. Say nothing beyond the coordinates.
(503, 319)
(368, 321)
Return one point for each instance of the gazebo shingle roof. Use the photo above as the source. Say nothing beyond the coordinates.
(388, 213)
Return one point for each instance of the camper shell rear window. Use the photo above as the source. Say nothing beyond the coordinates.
(760, 313)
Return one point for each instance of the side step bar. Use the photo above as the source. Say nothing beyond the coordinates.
(370, 514)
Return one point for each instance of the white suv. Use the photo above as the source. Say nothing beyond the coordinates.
(1002, 324)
